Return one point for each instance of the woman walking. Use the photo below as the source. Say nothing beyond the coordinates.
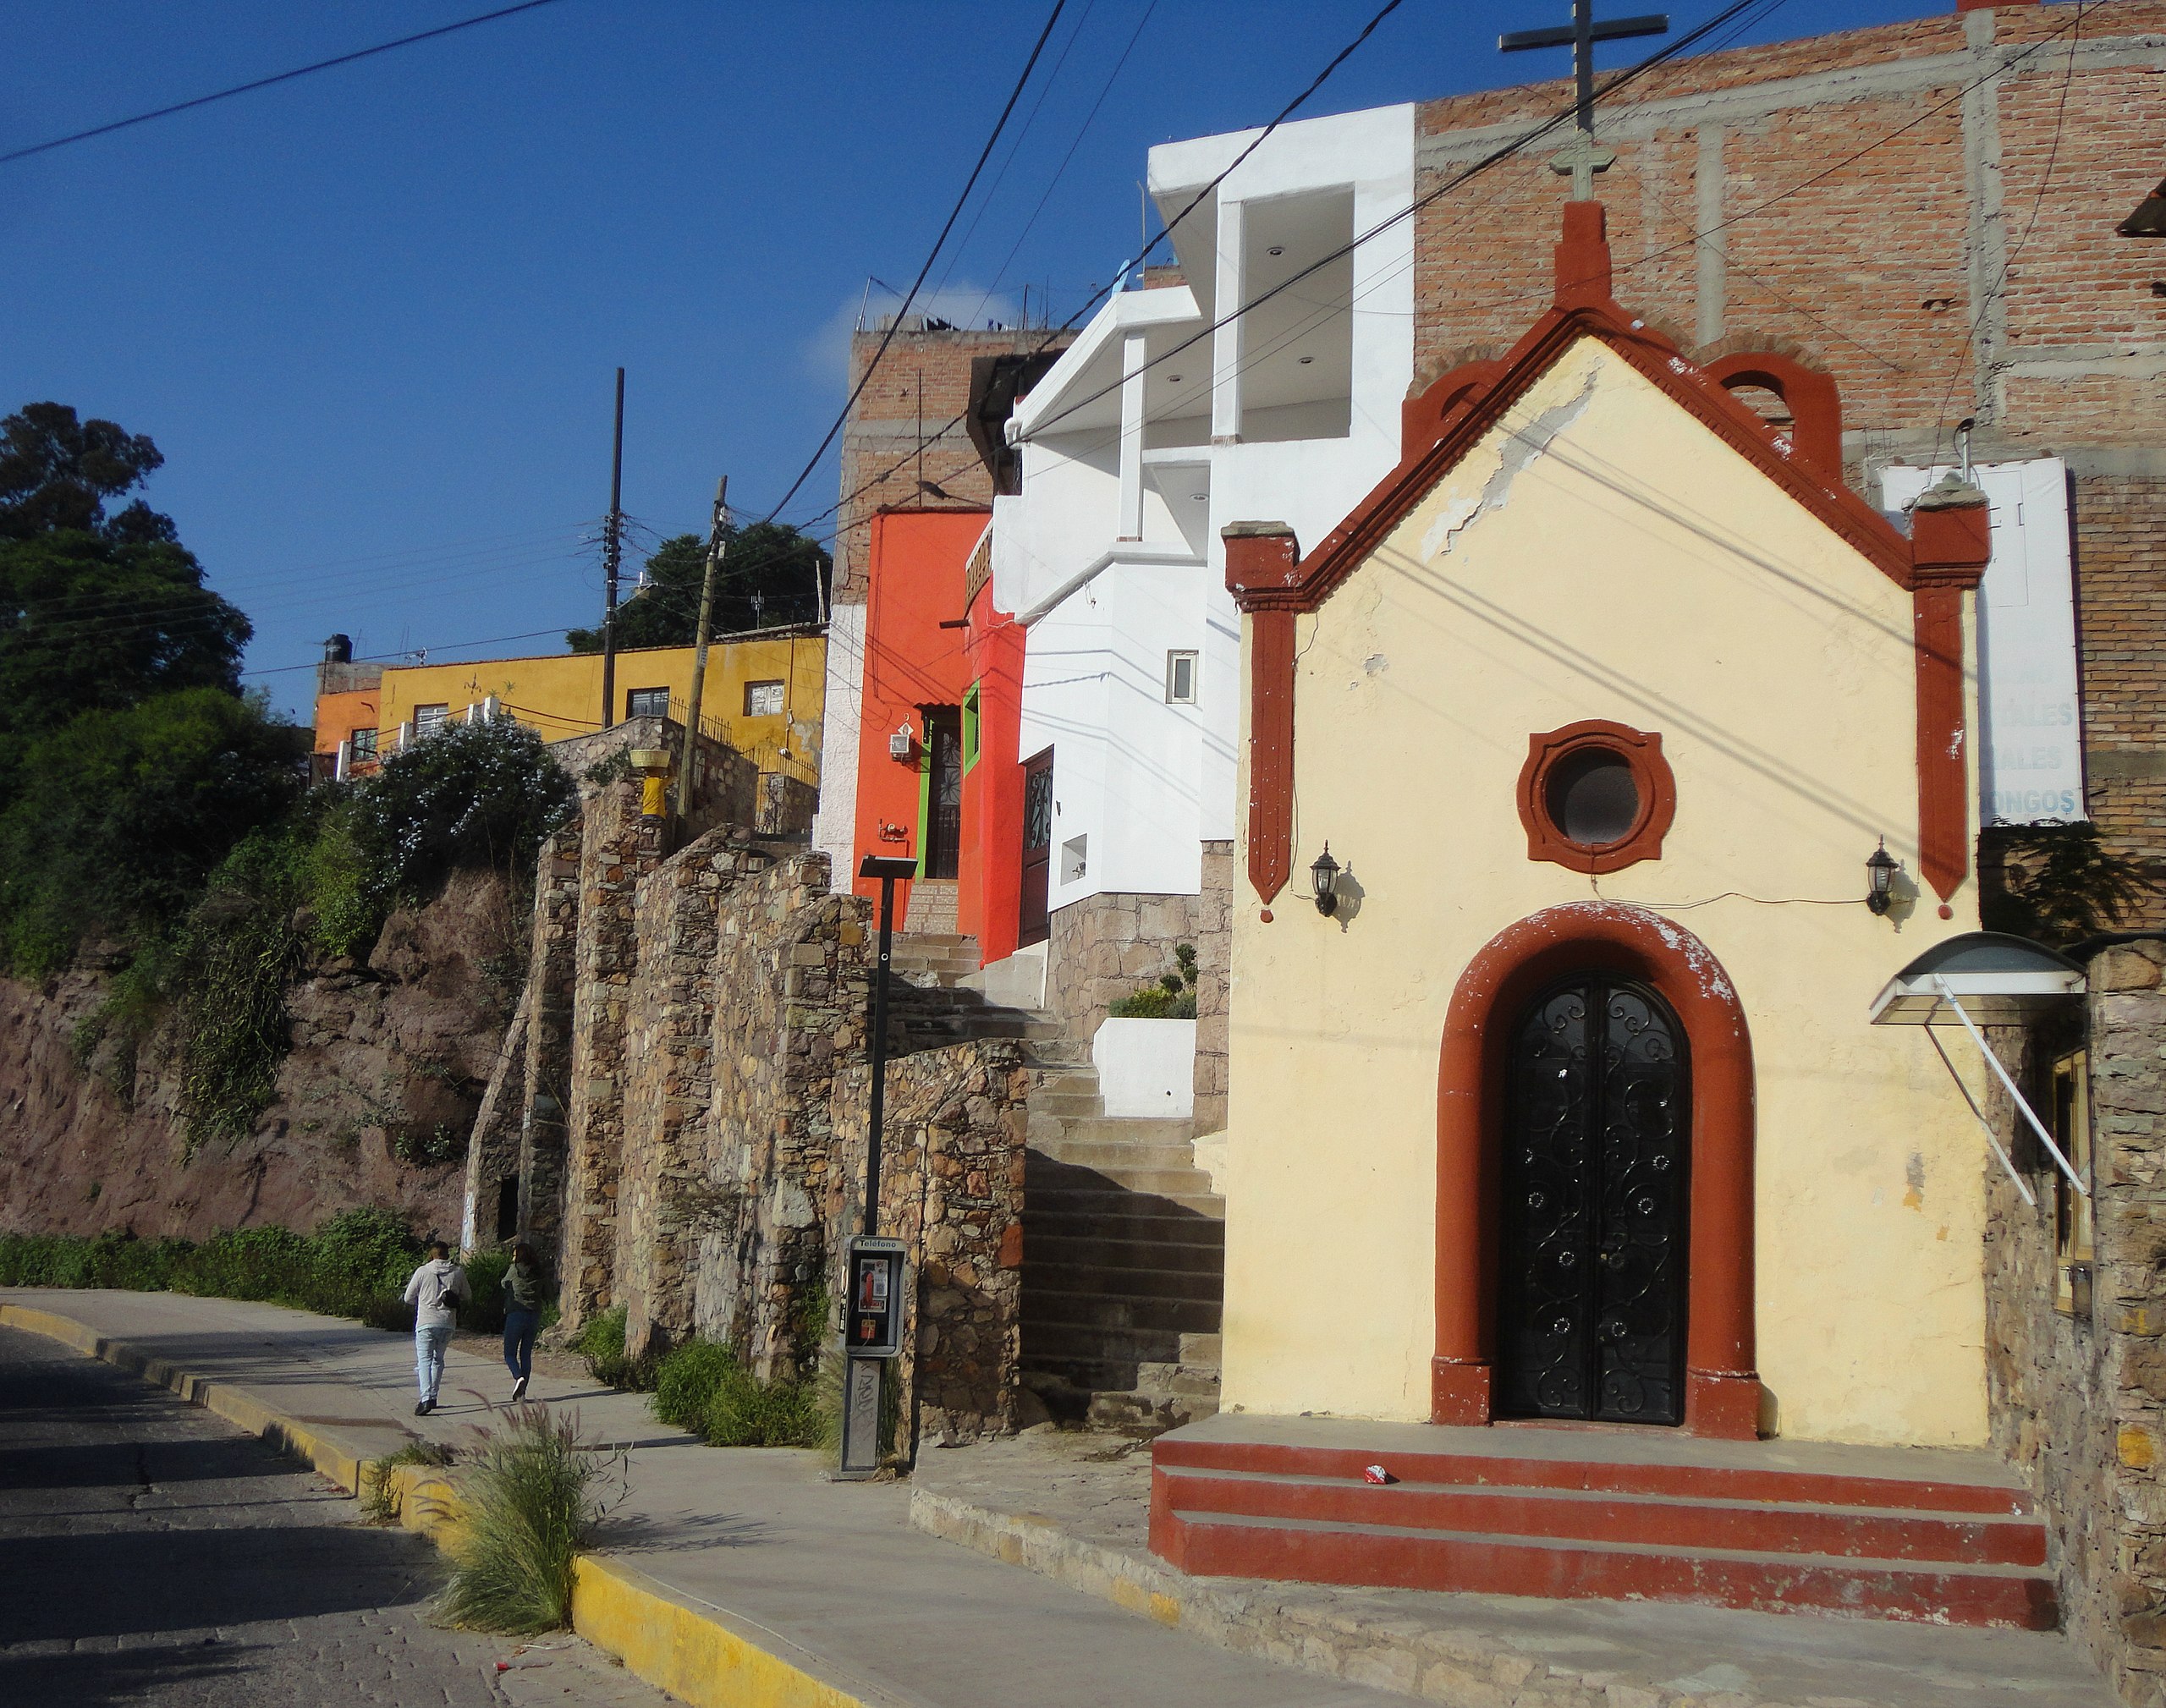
(522, 1316)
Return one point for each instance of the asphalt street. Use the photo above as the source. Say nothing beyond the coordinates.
(151, 1553)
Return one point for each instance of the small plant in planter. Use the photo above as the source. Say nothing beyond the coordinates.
(1172, 998)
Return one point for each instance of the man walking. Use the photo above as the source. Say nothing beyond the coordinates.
(435, 1291)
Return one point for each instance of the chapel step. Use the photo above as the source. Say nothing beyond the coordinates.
(1059, 1250)
(1155, 1281)
(1574, 1513)
(1106, 1206)
(1096, 1313)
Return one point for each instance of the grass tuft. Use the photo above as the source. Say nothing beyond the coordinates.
(379, 1498)
(529, 1507)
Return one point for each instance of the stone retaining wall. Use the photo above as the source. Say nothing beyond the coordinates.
(2079, 1397)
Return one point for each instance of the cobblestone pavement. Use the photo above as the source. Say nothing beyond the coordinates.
(151, 1553)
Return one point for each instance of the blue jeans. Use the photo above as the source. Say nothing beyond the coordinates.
(520, 1326)
(428, 1357)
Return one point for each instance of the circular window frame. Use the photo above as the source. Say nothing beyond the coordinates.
(1642, 751)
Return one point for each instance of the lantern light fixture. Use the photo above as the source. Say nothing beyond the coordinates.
(899, 744)
(1323, 877)
(1880, 870)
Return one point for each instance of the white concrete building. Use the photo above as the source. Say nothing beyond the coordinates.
(1157, 428)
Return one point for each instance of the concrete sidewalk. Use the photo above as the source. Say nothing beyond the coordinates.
(724, 1576)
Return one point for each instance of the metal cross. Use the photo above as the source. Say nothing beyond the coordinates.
(1583, 156)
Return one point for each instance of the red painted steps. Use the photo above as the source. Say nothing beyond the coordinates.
(1771, 1527)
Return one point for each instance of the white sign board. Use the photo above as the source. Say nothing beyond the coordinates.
(2030, 749)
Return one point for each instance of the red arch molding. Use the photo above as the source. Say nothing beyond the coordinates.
(1722, 1395)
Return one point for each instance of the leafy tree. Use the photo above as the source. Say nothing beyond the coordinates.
(97, 612)
(770, 574)
(57, 472)
(120, 816)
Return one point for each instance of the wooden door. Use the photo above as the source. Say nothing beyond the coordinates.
(1598, 1128)
(1032, 925)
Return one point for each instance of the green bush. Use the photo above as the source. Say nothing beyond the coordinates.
(685, 1381)
(355, 1264)
(601, 1343)
(483, 1313)
(745, 1412)
(529, 1508)
(1172, 998)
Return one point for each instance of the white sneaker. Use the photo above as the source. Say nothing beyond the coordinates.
(519, 1389)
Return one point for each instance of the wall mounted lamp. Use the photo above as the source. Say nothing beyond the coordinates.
(1880, 870)
(1323, 881)
(898, 744)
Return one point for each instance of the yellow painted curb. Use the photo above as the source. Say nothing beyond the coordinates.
(694, 1652)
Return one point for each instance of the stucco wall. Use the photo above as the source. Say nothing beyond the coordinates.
(1619, 563)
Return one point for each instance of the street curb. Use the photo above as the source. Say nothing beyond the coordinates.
(700, 1654)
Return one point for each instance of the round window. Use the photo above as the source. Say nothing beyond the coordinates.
(1591, 797)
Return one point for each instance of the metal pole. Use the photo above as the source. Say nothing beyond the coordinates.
(879, 1053)
(612, 549)
(700, 633)
(1948, 995)
(1583, 61)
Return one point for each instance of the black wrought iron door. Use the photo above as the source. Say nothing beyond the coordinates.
(943, 801)
(1597, 1133)
(1033, 925)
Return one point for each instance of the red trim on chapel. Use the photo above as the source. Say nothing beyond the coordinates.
(1722, 1390)
(1257, 552)
(1946, 554)
(1652, 776)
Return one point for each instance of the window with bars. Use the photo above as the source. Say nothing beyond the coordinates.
(360, 746)
(427, 719)
(763, 700)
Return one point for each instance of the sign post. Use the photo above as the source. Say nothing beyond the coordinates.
(875, 1275)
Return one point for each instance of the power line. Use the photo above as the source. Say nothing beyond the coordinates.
(266, 82)
(954, 213)
(1504, 152)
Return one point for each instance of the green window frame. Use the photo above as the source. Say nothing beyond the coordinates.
(970, 726)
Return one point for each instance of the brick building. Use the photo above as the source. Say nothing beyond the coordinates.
(1925, 212)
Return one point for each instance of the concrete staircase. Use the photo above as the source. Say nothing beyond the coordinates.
(1124, 1241)
(1935, 1536)
(1123, 1263)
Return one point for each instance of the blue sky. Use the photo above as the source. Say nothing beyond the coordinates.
(371, 317)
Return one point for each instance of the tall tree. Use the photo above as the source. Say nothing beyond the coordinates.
(771, 575)
(97, 611)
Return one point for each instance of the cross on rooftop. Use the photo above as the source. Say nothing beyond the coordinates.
(1583, 156)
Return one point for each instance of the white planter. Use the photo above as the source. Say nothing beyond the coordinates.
(1146, 1066)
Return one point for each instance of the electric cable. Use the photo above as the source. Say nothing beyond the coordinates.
(954, 213)
(267, 82)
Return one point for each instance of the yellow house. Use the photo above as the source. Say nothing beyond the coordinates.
(763, 696)
(1554, 1099)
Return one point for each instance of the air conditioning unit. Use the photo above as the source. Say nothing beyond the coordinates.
(899, 744)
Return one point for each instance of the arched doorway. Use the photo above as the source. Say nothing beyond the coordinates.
(1591, 1295)
(1631, 949)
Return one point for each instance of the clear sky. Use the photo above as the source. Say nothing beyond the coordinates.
(371, 317)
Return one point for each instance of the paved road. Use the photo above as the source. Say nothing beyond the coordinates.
(151, 1553)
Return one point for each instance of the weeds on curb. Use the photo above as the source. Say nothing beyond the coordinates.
(379, 1495)
(528, 1504)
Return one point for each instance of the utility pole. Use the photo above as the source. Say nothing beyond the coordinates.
(700, 645)
(612, 557)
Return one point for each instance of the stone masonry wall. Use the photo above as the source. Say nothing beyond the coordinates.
(1102, 948)
(2079, 1400)
(545, 1073)
(1214, 976)
(617, 847)
(951, 1189)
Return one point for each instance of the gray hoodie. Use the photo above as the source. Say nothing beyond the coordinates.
(435, 1291)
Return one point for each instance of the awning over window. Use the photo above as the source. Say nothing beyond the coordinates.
(2001, 980)
(1986, 978)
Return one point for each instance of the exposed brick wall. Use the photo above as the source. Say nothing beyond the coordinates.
(933, 368)
(2121, 575)
(1944, 251)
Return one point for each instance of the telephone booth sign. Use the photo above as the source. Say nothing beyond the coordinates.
(873, 1325)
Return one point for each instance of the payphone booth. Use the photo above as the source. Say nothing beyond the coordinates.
(872, 1333)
